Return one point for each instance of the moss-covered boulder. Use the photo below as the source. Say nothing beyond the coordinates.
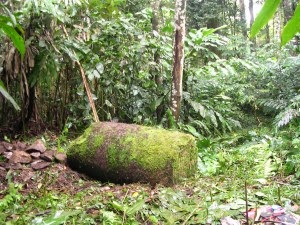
(118, 152)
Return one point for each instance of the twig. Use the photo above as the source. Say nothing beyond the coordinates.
(246, 200)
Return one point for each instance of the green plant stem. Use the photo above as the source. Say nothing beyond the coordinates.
(246, 199)
(189, 216)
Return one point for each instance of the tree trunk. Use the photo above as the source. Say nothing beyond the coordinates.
(243, 18)
(287, 6)
(251, 17)
(251, 12)
(268, 34)
(178, 61)
(156, 72)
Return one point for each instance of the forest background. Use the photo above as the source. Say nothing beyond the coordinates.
(125, 50)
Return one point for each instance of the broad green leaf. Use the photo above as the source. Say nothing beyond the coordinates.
(4, 19)
(100, 68)
(7, 96)
(292, 27)
(192, 130)
(157, 102)
(117, 206)
(17, 40)
(266, 13)
(70, 53)
(60, 217)
(132, 210)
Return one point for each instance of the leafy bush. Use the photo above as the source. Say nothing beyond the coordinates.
(278, 93)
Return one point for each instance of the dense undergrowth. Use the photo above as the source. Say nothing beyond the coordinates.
(266, 161)
(128, 66)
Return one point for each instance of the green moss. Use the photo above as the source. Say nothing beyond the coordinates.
(117, 157)
(86, 145)
(154, 150)
(133, 150)
(95, 141)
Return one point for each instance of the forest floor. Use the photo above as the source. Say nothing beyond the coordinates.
(236, 171)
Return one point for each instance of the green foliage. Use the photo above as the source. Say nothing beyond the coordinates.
(288, 113)
(259, 157)
(6, 95)
(122, 57)
(216, 93)
(226, 85)
(267, 12)
(292, 27)
(286, 145)
(12, 196)
(281, 96)
(210, 14)
(10, 27)
(258, 154)
(248, 151)
(58, 218)
(209, 105)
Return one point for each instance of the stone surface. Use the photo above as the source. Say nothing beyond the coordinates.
(126, 153)
(48, 156)
(20, 157)
(20, 145)
(7, 146)
(27, 175)
(14, 166)
(39, 164)
(61, 157)
(37, 146)
(2, 149)
(35, 155)
(7, 155)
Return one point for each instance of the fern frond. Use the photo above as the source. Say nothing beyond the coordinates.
(286, 117)
(273, 105)
(201, 126)
(199, 108)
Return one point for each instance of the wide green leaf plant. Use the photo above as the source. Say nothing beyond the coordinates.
(10, 28)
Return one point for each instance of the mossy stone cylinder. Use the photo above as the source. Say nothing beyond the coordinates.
(126, 153)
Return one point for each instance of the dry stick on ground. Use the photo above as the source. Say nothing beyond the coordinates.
(86, 85)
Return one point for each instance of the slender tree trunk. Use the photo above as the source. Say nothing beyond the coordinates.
(178, 61)
(287, 6)
(156, 72)
(234, 17)
(268, 34)
(251, 17)
(243, 18)
(251, 12)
